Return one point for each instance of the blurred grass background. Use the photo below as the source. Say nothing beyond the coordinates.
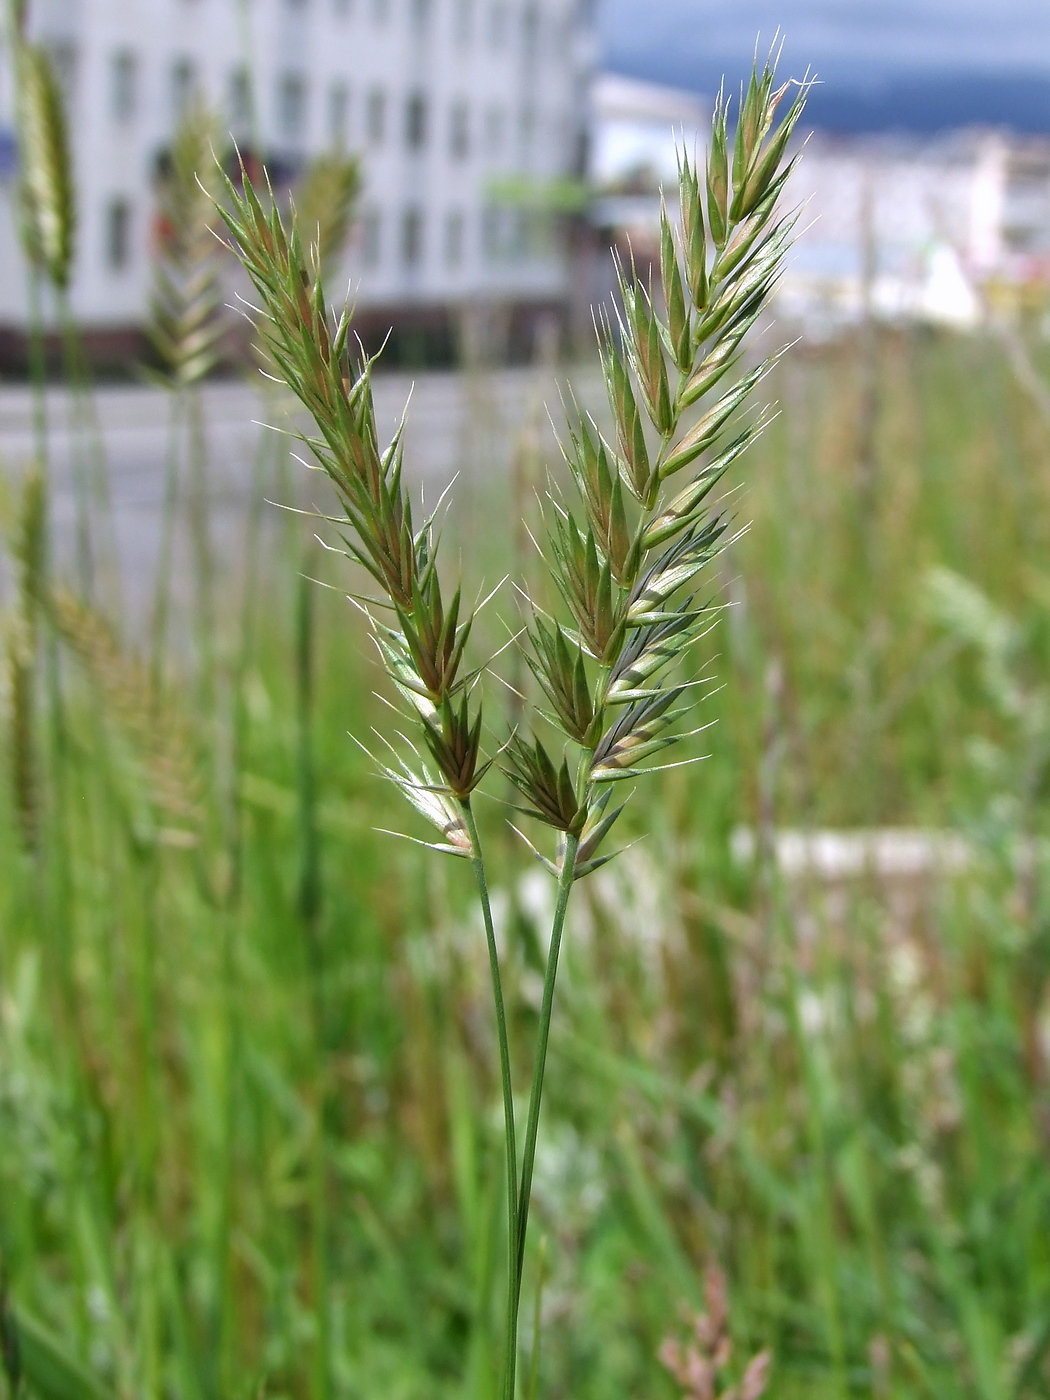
(249, 1136)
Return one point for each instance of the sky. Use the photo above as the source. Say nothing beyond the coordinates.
(990, 58)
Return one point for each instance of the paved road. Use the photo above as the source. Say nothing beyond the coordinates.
(456, 424)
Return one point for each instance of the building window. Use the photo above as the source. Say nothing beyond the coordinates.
(463, 21)
(420, 14)
(63, 56)
(339, 114)
(118, 234)
(123, 85)
(530, 30)
(455, 227)
(412, 237)
(459, 132)
(526, 127)
(380, 12)
(520, 234)
(375, 117)
(240, 102)
(371, 233)
(494, 130)
(416, 122)
(291, 106)
(491, 232)
(183, 87)
(497, 24)
(343, 8)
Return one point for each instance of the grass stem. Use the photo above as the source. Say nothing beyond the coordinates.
(565, 882)
(510, 1132)
(166, 547)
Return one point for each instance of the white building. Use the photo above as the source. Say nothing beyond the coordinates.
(469, 115)
(637, 130)
(909, 228)
(901, 227)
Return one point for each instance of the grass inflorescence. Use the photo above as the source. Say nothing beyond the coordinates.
(626, 573)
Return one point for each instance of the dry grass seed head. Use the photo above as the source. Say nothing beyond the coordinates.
(424, 650)
(699, 1363)
(28, 550)
(46, 192)
(187, 320)
(626, 569)
(625, 572)
(325, 203)
(159, 736)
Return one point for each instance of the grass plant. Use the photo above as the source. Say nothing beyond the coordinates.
(804, 1096)
(626, 574)
(247, 1152)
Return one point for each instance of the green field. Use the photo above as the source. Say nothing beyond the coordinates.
(249, 1126)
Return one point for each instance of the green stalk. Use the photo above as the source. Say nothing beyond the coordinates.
(320, 1371)
(85, 554)
(57, 845)
(241, 661)
(38, 369)
(532, 1387)
(310, 907)
(201, 543)
(165, 552)
(98, 555)
(310, 892)
(310, 840)
(517, 1262)
(478, 864)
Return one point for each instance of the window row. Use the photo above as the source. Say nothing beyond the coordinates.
(125, 81)
(503, 235)
(461, 129)
(497, 23)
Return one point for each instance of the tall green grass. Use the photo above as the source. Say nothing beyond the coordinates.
(251, 1144)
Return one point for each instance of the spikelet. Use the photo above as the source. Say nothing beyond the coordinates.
(423, 646)
(30, 545)
(323, 205)
(159, 736)
(48, 214)
(187, 321)
(699, 1365)
(21, 675)
(325, 202)
(626, 556)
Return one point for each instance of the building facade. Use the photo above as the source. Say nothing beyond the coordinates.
(940, 229)
(469, 116)
(899, 228)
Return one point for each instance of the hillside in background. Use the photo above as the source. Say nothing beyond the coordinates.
(932, 102)
(923, 103)
(922, 66)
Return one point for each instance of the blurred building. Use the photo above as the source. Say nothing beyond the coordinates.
(927, 229)
(900, 228)
(470, 116)
(637, 130)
